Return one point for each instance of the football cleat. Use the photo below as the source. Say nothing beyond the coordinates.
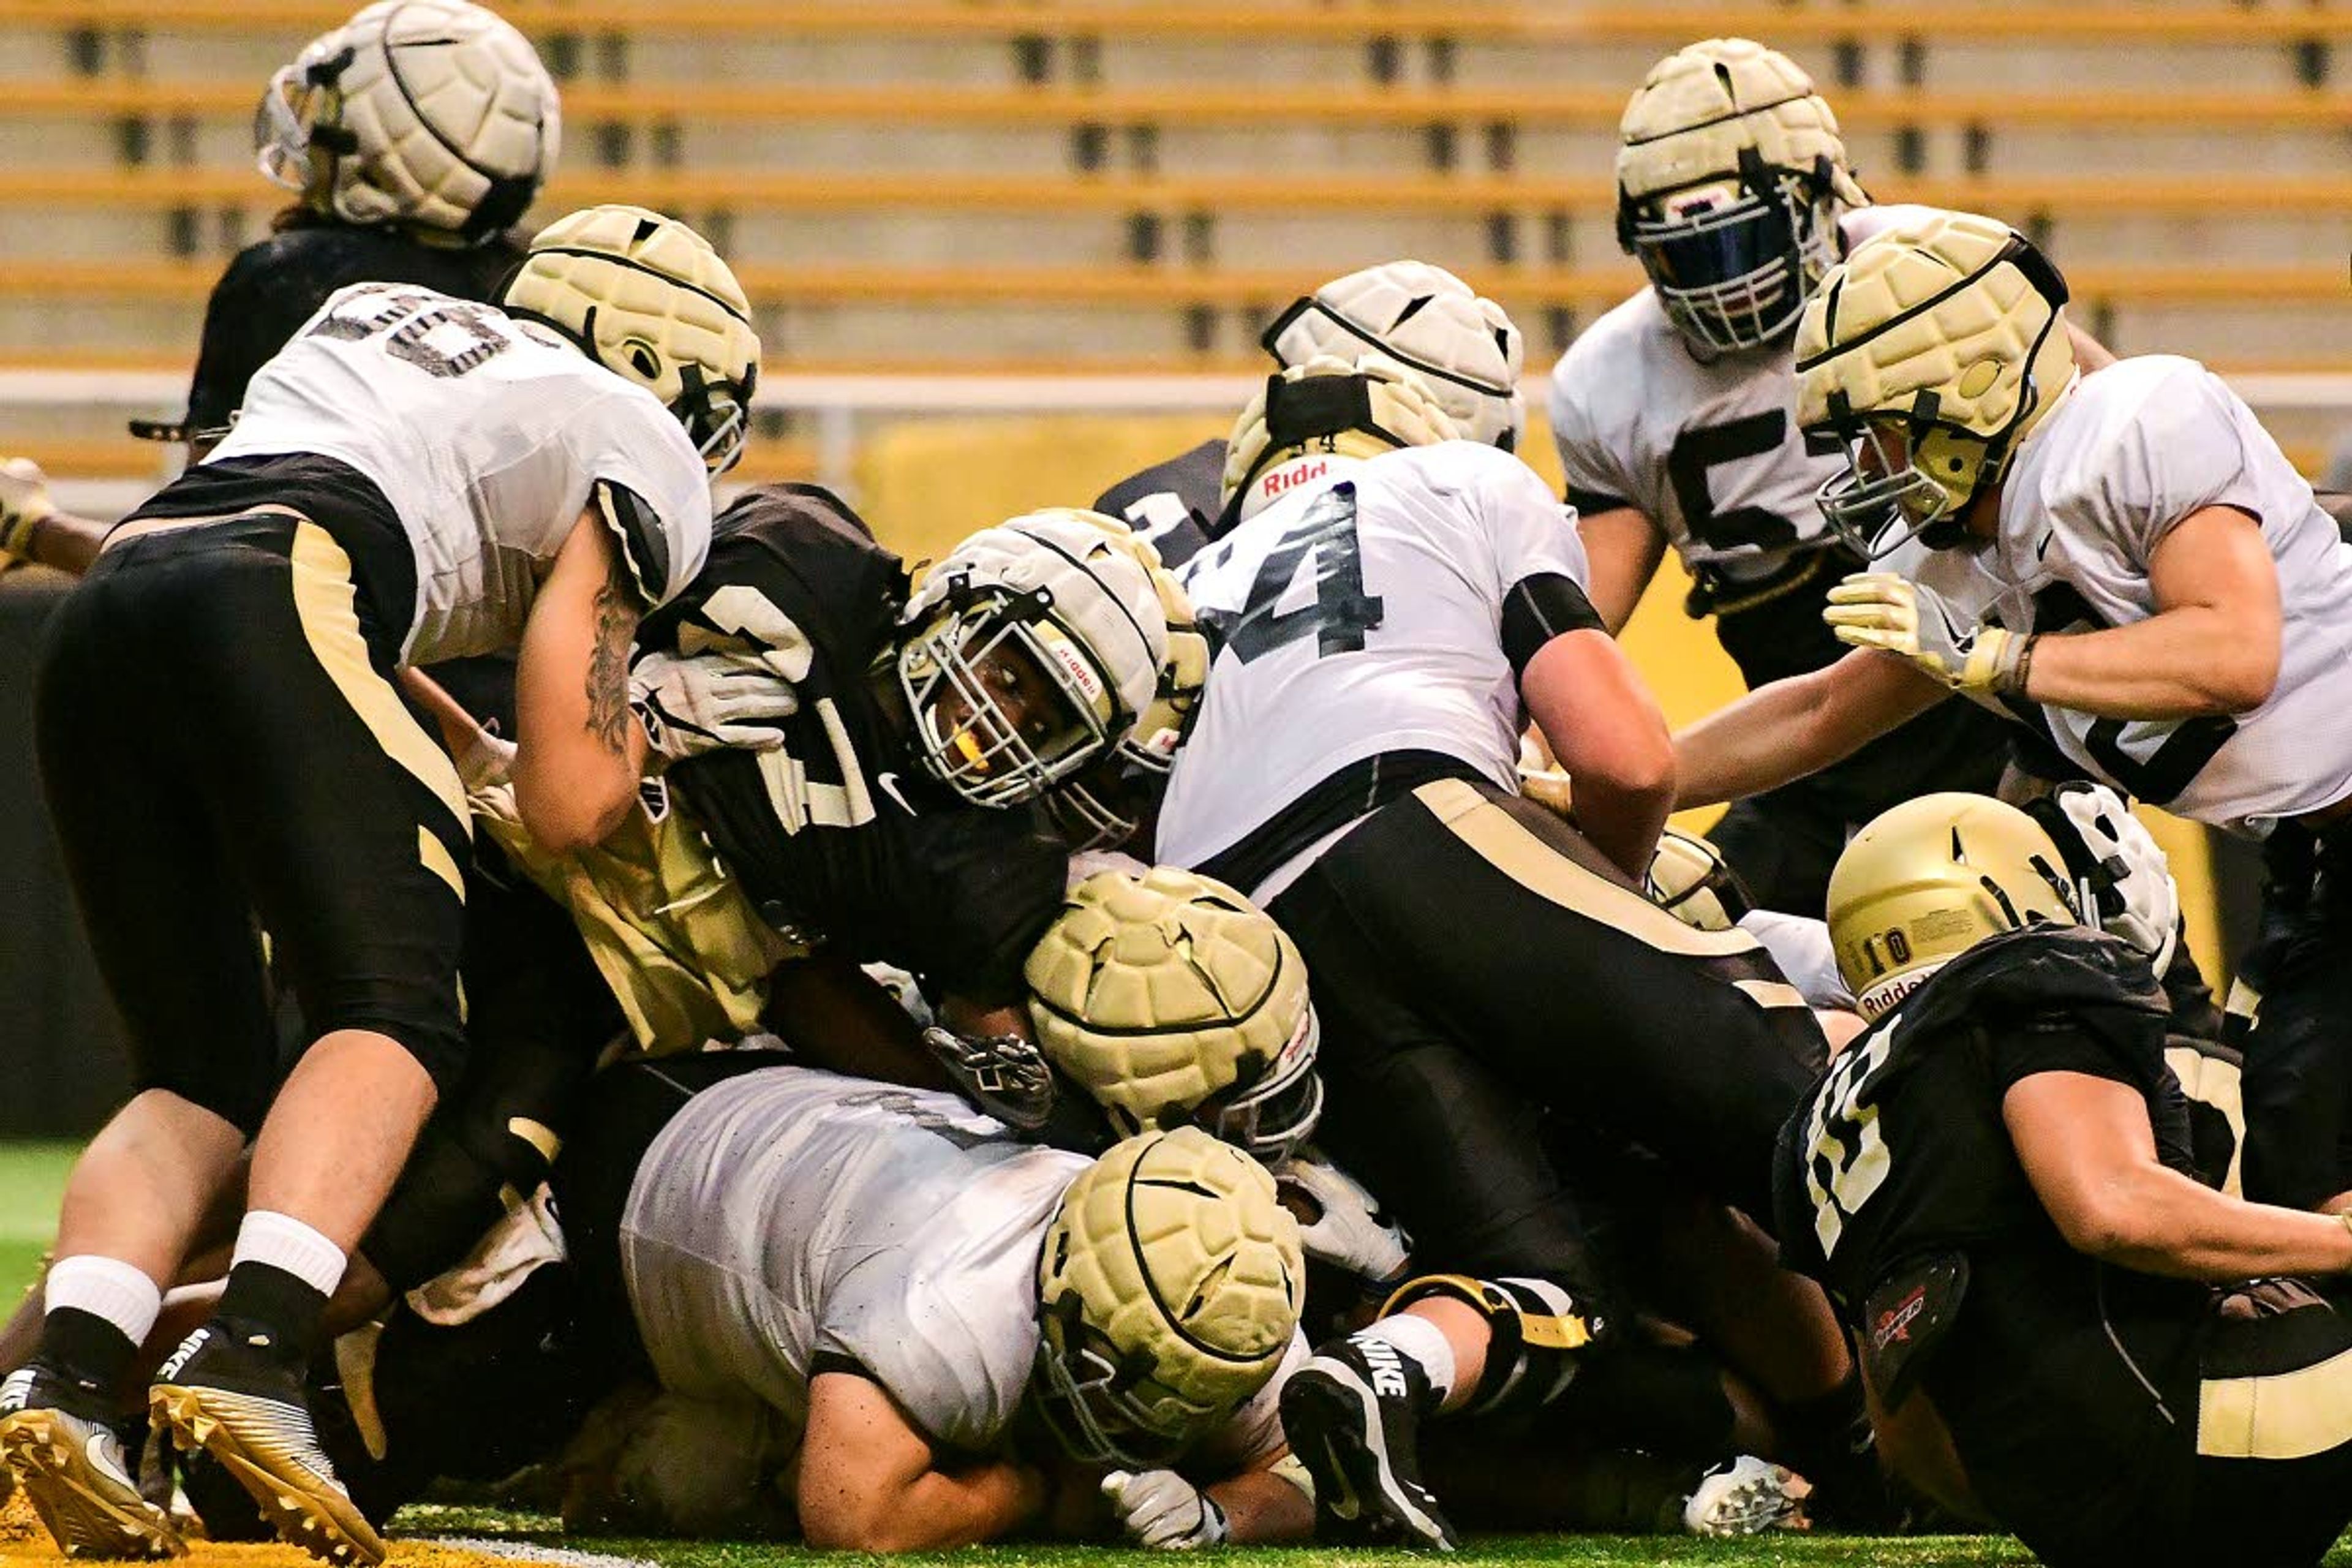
(1352, 1414)
(1746, 1496)
(56, 1440)
(222, 1392)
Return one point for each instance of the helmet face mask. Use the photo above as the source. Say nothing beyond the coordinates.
(1272, 1116)
(1006, 704)
(1732, 259)
(282, 126)
(1086, 1395)
(1886, 499)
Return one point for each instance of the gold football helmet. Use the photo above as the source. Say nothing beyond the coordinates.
(1167, 1294)
(651, 301)
(1170, 998)
(1930, 878)
(1928, 354)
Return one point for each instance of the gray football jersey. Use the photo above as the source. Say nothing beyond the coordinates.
(2123, 457)
(1707, 450)
(791, 1215)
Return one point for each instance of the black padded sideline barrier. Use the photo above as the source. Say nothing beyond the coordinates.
(62, 1065)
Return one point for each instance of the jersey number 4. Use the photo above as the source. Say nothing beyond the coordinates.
(1341, 612)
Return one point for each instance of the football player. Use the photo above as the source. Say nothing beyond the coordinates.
(917, 1311)
(414, 478)
(2061, 1329)
(1671, 414)
(2125, 564)
(1392, 604)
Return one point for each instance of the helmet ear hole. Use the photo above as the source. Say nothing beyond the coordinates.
(642, 361)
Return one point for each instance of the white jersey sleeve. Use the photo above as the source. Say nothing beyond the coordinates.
(489, 437)
(1801, 948)
(2183, 451)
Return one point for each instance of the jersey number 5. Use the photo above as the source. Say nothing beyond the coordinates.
(1341, 612)
(1711, 446)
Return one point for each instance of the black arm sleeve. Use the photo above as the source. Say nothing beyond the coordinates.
(1540, 608)
(1586, 502)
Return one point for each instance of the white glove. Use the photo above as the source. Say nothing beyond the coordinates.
(1896, 615)
(488, 761)
(723, 698)
(23, 503)
(1162, 1511)
(2142, 904)
(1348, 1229)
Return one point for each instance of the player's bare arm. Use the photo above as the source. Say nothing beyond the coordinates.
(1623, 548)
(2212, 647)
(33, 528)
(581, 754)
(870, 1481)
(1262, 1506)
(1791, 728)
(1604, 726)
(2087, 1147)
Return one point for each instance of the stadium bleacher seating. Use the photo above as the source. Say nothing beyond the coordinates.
(953, 182)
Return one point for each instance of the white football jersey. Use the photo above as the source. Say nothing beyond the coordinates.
(1362, 614)
(2123, 455)
(789, 1215)
(485, 433)
(1707, 450)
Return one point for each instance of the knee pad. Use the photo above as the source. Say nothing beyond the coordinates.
(1539, 1337)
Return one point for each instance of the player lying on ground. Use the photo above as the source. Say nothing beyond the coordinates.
(2063, 1330)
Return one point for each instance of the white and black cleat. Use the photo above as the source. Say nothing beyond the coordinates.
(227, 1396)
(75, 1472)
(1352, 1416)
(1746, 1496)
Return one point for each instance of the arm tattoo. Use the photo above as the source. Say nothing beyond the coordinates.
(608, 661)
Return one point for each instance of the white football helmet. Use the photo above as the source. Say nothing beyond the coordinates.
(650, 301)
(1928, 354)
(1325, 408)
(1028, 653)
(1731, 181)
(434, 113)
(1422, 319)
(1167, 1294)
(1171, 999)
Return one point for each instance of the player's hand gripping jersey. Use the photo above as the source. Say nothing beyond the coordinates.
(489, 436)
(2124, 456)
(1387, 608)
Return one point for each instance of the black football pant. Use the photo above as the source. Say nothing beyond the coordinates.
(2291, 1015)
(1477, 965)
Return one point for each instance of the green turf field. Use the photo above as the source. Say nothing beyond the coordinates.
(32, 1175)
(32, 1178)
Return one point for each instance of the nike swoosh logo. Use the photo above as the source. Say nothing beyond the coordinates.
(2043, 549)
(1346, 1506)
(888, 785)
(93, 1449)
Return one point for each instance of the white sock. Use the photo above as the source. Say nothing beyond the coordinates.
(1421, 1341)
(284, 1241)
(104, 1288)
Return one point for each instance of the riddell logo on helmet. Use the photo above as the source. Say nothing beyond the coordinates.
(1291, 476)
(1081, 675)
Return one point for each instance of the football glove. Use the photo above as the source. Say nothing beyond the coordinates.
(1003, 1076)
(2130, 877)
(1896, 615)
(723, 697)
(1162, 1511)
(1348, 1229)
(24, 504)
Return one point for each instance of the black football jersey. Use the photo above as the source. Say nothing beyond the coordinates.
(839, 836)
(275, 286)
(2069, 1385)
(1173, 505)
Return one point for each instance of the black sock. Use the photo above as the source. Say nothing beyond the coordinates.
(274, 1312)
(85, 1347)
